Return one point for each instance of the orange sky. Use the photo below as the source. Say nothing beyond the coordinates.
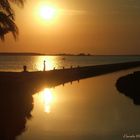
(90, 26)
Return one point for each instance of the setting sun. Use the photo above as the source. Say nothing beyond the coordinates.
(47, 12)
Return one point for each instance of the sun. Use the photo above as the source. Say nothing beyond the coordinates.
(47, 12)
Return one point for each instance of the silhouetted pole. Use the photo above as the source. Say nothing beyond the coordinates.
(44, 69)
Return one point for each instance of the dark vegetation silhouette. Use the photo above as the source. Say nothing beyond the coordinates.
(7, 18)
(129, 85)
(16, 103)
(17, 88)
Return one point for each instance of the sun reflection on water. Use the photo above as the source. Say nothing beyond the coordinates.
(46, 98)
(50, 63)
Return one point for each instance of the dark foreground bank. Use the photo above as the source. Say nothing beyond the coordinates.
(129, 85)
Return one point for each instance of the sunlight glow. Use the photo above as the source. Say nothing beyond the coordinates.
(47, 12)
(50, 63)
(46, 98)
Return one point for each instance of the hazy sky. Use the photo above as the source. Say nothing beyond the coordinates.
(90, 26)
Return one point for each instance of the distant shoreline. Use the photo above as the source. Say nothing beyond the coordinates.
(39, 54)
(19, 54)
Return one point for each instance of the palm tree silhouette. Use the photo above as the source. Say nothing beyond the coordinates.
(7, 18)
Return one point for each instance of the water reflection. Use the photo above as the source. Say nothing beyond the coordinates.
(50, 63)
(16, 105)
(77, 110)
(45, 98)
(16, 102)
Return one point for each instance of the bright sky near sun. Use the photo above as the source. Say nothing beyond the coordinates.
(47, 13)
(67, 26)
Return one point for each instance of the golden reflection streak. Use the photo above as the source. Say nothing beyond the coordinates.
(46, 98)
(50, 63)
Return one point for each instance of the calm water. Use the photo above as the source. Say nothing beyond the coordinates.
(86, 110)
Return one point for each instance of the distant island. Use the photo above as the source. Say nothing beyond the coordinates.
(19, 54)
(34, 54)
(59, 54)
(79, 54)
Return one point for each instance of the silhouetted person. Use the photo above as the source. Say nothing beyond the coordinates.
(24, 68)
(44, 68)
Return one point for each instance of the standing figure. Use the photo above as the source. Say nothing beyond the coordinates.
(44, 69)
(24, 68)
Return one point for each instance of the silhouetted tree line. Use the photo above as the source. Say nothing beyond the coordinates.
(7, 17)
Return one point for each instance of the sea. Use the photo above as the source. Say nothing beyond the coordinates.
(87, 109)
